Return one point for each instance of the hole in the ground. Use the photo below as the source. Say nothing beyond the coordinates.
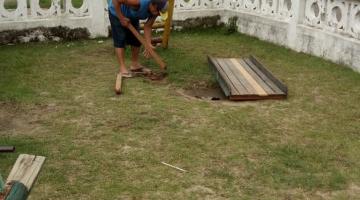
(207, 94)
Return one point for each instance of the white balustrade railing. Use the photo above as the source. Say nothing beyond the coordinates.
(29, 14)
(286, 22)
(339, 16)
(199, 4)
(24, 11)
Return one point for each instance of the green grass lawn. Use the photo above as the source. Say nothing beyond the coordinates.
(57, 100)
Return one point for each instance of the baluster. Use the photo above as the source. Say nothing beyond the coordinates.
(19, 13)
(286, 9)
(354, 20)
(77, 12)
(269, 7)
(337, 15)
(38, 12)
(314, 10)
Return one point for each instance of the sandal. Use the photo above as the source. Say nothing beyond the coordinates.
(141, 70)
(126, 75)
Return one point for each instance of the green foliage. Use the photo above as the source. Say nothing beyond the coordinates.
(232, 25)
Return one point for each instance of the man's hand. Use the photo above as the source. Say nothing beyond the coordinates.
(146, 53)
(124, 21)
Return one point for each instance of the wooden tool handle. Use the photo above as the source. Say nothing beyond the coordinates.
(157, 58)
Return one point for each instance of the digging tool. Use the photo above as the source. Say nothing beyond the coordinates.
(153, 54)
(118, 83)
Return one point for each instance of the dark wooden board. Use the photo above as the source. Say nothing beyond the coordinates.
(264, 77)
(256, 77)
(219, 74)
(278, 83)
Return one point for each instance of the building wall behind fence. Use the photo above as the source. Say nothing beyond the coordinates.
(325, 28)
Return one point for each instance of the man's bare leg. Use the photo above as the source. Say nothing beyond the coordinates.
(120, 54)
(135, 57)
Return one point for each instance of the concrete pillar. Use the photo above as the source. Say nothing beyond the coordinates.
(98, 24)
(298, 17)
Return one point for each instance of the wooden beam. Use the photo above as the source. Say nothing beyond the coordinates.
(167, 29)
(26, 170)
(118, 84)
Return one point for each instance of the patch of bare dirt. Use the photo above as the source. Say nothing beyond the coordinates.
(351, 192)
(201, 192)
(206, 94)
(212, 94)
(23, 120)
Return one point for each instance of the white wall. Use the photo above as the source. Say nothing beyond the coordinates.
(325, 28)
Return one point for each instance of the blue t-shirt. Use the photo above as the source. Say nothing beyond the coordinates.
(129, 12)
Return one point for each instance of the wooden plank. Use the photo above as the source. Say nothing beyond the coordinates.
(229, 88)
(269, 75)
(35, 168)
(118, 84)
(271, 84)
(224, 86)
(240, 88)
(258, 89)
(26, 169)
(256, 77)
(235, 80)
(17, 165)
(250, 90)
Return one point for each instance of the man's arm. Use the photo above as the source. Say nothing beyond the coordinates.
(148, 29)
(117, 5)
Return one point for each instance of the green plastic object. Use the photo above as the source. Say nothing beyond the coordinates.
(18, 192)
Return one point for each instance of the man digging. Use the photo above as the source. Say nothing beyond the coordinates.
(125, 12)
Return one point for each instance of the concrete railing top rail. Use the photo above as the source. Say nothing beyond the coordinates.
(329, 28)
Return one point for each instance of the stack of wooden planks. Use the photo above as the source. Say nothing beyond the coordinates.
(22, 177)
(246, 79)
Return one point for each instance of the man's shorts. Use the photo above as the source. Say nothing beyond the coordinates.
(122, 36)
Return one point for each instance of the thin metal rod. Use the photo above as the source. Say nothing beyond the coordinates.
(183, 170)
